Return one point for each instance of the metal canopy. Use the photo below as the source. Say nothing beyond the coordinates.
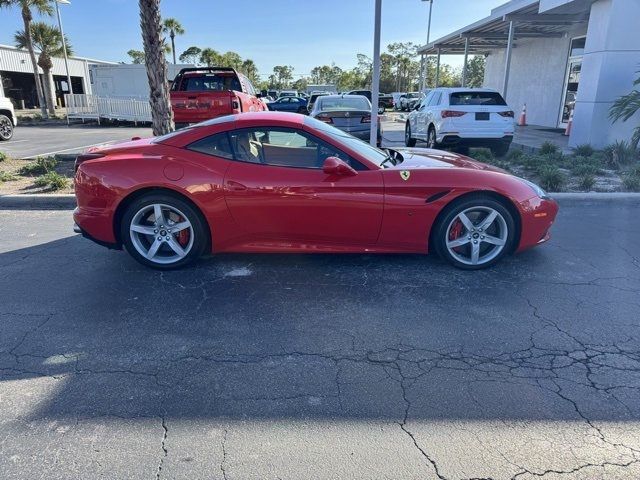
(493, 31)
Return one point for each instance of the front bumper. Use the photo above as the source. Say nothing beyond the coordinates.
(538, 215)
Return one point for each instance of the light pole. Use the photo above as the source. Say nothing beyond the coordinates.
(424, 65)
(375, 76)
(64, 43)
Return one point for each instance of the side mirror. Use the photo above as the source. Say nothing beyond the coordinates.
(417, 107)
(335, 166)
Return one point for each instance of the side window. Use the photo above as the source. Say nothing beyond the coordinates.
(426, 100)
(435, 99)
(217, 145)
(284, 148)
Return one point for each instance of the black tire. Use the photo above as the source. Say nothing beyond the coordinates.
(439, 233)
(199, 228)
(6, 128)
(500, 150)
(408, 140)
(431, 137)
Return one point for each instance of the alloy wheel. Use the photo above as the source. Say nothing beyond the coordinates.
(477, 235)
(161, 233)
(431, 142)
(6, 128)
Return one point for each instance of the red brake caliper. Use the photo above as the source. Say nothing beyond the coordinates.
(456, 230)
(183, 235)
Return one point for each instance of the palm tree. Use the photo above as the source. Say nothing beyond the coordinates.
(48, 40)
(150, 24)
(626, 107)
(210, 57)
(43, 7)
(173, 27)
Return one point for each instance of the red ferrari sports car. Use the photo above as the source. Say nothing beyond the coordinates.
(283, 182)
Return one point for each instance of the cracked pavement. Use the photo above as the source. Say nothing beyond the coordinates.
(323, 367)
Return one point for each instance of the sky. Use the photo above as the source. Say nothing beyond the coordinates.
(300, 33)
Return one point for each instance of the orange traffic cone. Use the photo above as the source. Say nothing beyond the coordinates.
(567, 130)
(522, 121)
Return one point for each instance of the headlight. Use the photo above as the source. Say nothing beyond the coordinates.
(537, 189)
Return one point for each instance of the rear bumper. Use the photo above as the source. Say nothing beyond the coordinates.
(538, 215)
(94, 225)
(477, 141)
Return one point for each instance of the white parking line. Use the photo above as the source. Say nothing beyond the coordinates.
(72, 148)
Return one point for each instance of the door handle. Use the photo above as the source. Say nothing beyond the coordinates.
(235, 186)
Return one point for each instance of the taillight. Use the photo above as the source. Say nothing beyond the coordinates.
(235, 105)
(506, 114)
(452, 113)
(324, 118)
(366, 119)
(84, 157)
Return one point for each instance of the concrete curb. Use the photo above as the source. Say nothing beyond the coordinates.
(49, 201)
(38, 201)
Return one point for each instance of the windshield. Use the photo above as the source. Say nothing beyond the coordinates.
(372, 154)
(210, 82)
(344, 103)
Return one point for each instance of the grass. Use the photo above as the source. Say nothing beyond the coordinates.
(3, 157)
(41, 166)
(52, 181)
(548, 147)
(551, 178)
(618, 154)
(631, 183)
(583, 150)
(587, 182)
(7, 177)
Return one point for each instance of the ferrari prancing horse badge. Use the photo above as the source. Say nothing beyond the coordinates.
(405, 174)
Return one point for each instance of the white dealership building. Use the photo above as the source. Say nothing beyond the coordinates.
(557, 56)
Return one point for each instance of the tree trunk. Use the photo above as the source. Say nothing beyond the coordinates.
(173, 46)
(161, 113)
(26, 18)
(49, 92)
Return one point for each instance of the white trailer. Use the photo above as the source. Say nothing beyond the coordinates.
(125, 80)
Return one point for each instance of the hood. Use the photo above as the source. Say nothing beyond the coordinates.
(419, 158)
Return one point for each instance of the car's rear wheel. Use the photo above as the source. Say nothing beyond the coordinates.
(474, 233)
(163, 231)
(6, 128)
(408, 141)
(431, 138)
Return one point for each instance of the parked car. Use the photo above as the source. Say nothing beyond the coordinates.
(407, 99)
(289, 104)
(397, 96)
(8, 119)
(382, 101)
(462, 118)
(202, 93)
(281, 182)
(349, 113)
(288, 93)
(312, 99)
(385, 100)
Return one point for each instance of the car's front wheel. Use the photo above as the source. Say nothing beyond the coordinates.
(474, 233)
(163, 231)
(408, 140)
(6, 128)
(431, 138)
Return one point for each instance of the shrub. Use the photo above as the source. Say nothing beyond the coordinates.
(515, 155)
(618, 154)
(631, 183)
(551, 178)
(585, 166)
(481, 154)
(41, 166)
(6, 176)
(547, 148)
(3, 156)
(586, 182)
(52, 180)
(583, 150)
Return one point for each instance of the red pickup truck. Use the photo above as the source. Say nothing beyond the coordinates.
(201, 93)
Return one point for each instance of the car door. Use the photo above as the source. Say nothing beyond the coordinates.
(421, 116)
(277, 191)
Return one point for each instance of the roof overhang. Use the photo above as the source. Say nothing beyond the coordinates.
(492, 32)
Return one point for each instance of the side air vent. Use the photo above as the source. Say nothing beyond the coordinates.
(436, 196)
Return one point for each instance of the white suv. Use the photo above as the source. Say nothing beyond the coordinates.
(8, 118)
(462, 118)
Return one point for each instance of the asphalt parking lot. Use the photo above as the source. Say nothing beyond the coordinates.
(32, 141)
(323, 367)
